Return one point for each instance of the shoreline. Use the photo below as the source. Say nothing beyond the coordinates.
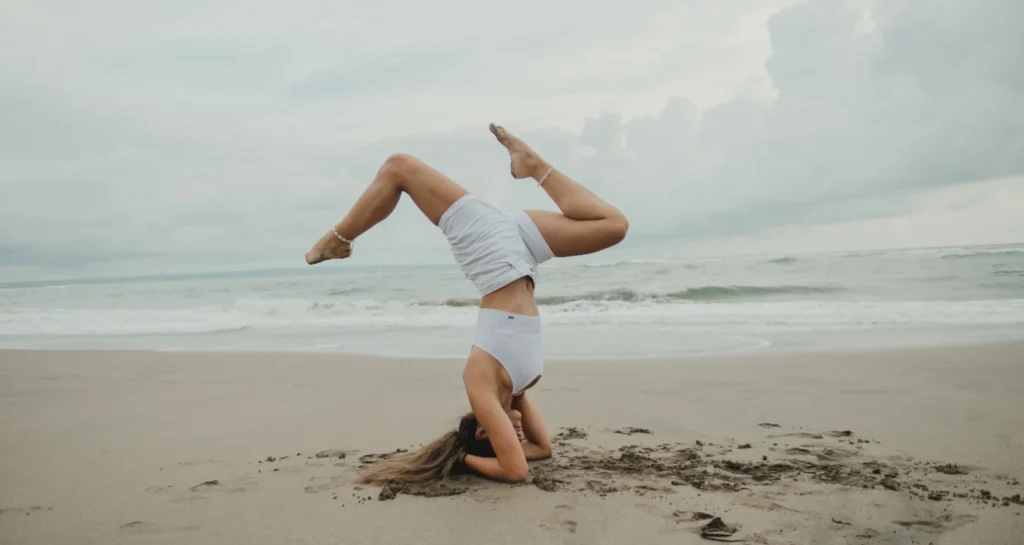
(768, 351)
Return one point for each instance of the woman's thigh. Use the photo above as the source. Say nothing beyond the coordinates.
(568, 237)
(431, 190)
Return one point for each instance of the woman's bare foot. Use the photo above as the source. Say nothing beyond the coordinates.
(328, 247)
(525, 162)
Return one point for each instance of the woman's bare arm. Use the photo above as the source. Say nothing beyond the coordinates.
(509, 463)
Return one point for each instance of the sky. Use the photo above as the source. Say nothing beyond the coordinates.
(143, 137)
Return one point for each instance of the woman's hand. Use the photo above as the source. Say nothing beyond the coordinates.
(517, 424)
(536, 442)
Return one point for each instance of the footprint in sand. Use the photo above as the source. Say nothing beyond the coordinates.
(825, 454)
(323, 484)
(561, 526)
(203, 485)
(24, 510)
(160, 489)
(140, 528)
(201, 490)
(199, 463)
(558, 520)
(630, 430)
(801, 434)
(332, 453)
(234, 486)
(691, 516)
(938, 525)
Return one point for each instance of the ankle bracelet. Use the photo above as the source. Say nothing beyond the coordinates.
(341, 238)
(545, 177)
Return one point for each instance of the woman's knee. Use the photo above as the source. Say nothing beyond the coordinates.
(617, 226)
(399, 165)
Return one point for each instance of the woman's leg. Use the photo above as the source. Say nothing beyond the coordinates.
(432, 191)
(586, 225)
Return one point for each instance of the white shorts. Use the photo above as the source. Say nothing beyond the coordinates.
(493, 248)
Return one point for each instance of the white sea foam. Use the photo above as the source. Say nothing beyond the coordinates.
(291, 315)
(632, 307)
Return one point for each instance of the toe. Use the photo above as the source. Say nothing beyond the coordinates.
(315, 256)
(498, 132)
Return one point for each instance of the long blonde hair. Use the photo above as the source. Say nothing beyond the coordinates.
(433, 462)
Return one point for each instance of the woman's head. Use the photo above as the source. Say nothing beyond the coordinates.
(434, 461)
(473, 437)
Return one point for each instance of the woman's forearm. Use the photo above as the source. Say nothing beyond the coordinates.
(534, 451)
(489, 467)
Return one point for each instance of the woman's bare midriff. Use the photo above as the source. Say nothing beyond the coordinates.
(516, 298)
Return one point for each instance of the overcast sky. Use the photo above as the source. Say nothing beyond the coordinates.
(148, 136)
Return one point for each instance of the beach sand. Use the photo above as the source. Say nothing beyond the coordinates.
(909, 446)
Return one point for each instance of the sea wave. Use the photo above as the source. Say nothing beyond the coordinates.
(985, 253)
(606, 264)
(341, 318)
(701, 293)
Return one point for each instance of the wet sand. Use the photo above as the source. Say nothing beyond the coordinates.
(903, 446)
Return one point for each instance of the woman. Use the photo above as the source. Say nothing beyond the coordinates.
(500, 254)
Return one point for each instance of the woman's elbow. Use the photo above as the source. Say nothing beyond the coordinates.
(517, 475)
(617, 226)
(544, 451)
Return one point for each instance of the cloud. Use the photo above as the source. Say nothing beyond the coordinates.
(956, 215)
(187, 135)
(864, 108)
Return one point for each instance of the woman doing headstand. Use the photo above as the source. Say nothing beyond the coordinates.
(500, 254)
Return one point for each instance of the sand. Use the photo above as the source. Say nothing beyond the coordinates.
(909, 446)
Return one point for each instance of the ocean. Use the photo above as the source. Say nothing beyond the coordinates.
(638, 307)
